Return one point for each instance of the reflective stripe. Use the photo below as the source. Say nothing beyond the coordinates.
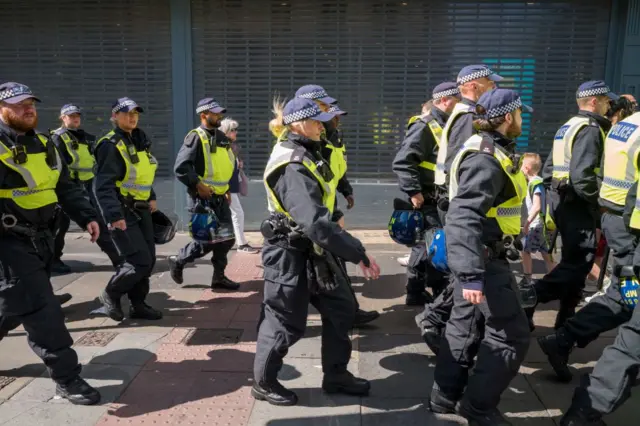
(622, 184)
(561, 169)
(509, 211)
(7, 157)
(128, 185)
(214, 182)
(459, 110)
(436, 131)
(427, 165)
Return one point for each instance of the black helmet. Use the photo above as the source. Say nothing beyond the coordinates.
(163, 228)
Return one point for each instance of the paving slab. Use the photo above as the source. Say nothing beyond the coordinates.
(406, 412)
(53, 415)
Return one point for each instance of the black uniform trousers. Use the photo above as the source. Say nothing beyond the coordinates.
(104, 240)
(421, 272)
(608, 311)
(285, 308)
(26, 297)
(609, 384)
(195, 250)
(137, 248)
(577, 226)
(437, 313)
(500, 352)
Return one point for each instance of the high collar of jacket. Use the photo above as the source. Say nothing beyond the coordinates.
(217, 135)
(12, 134)
(439, 115)
(468, 101)
(501, 140)
(603, 122)
(296, 139)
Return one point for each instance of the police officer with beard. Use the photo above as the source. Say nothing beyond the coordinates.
(205, 166)
(300, 260)
(123, 190)
(486, 193)
(33, 179)
(414, 165)
(573, 170)
(76, 147)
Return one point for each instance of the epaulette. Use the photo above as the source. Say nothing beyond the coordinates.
(297, 156)
(487, 147)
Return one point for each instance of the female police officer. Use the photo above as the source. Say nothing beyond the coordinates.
(300, 201)
(125, 198)
(486, 191)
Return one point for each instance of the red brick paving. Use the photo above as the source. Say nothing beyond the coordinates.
(200, 384)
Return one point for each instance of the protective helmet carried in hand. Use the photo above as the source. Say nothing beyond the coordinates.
(164, 229)
(406, 227)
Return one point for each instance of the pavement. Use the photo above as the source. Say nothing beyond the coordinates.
(194, 366)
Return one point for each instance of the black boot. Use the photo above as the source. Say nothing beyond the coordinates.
(418, 299)
(78, 392)
(432, 337)
(145, 312)
(221, 281)
(345, 383)
(274, 394)
(576, 416)
(59, 267)
(63, 298)
(485, 418)
(111, 306)
(175, 268)
(365, 317)
(557, 348)
(440, 403)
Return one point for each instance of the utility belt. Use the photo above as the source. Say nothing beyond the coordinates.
(442, 198)
(508, 248)
(135, 206)
(607, 210)
(562, 187)
(10, 225)
(279, 227)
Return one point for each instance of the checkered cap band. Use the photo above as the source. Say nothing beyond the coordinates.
(123, 105)
(301, 115)
(335, 108)
(594, 92)
(16, 91)
(475, 75)
(314, 95)
(207, 107)
(70, 110)
(450, 92)
(504, 109)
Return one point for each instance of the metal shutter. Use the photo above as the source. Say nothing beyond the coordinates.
(382, 58)
(91, 53)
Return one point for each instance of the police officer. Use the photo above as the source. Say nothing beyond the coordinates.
(609, 310)
(573, 168)
(609, 385)
(486, 191)
(300, 201)
(76, 147)
(414, 165)
(123, 191)
(33, 179)
(205, 165)
(335, 153)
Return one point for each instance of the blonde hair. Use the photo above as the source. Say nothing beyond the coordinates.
(533, 159)
(426, 107)
(276, 125)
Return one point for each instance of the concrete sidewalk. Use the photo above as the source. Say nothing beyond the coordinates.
(194, 366)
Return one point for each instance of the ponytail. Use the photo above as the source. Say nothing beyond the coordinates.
(276, 125)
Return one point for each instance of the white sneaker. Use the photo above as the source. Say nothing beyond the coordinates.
(404, 260)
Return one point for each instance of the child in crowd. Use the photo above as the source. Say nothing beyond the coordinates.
(535, 235)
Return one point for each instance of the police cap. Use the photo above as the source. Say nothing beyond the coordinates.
(595, 88)
(335, 109)
(474, 72)
(13, 93)
(209, 104)
(499, 102)
(315, 93)
(299, 109)
(448, 88)
(69, 109)
(125, 105)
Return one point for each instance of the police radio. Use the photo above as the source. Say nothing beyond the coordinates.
(133, 153)
(19, 153)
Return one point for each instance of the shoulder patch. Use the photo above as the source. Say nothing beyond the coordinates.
(298, 155)
(487, 147)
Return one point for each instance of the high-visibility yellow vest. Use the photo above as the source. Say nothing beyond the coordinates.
(620, 159)
(459, 110)
(436, 131)
(280, 157)
(337, 162)
(82, 162)
(507, 214)
(139, 173)
(563, 146)
(634, 222)
(41, 177)
(218, 165)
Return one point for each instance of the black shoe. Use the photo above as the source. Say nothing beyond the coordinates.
(432, 337)
(581, 417)
(176, 270)
(224, 283)
(246, 248)
(440, 404)
(112, 306)
(418, 299)
(78, 392)
(59, 267)
(345, 383)
(477, 418)
(365, 317)
(274, 394)
(145, 312)
(558, 356)
(63, 298)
